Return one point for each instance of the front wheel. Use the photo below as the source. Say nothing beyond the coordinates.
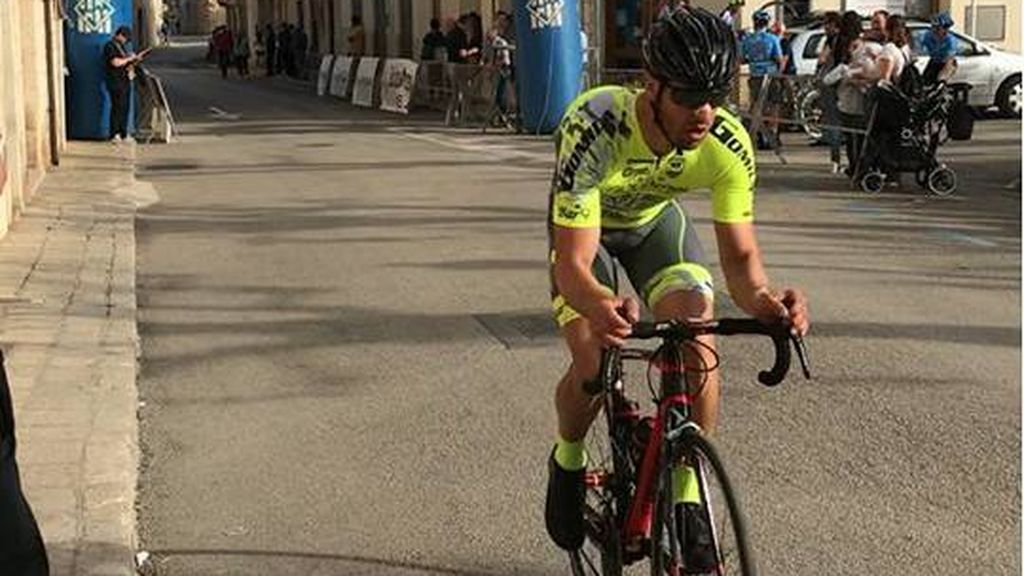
(601, 553)
(720, 514)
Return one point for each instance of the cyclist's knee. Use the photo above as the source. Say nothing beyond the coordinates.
(685, 305)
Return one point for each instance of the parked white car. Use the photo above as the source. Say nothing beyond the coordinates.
(994, 75)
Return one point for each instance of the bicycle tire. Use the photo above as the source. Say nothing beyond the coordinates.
(722, 505)
(601, 554)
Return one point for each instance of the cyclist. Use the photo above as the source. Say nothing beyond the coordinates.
(762, 50)
(941, 47)
(622, 158)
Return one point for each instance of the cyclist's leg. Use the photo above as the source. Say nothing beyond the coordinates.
(668, 269)
(577, 409)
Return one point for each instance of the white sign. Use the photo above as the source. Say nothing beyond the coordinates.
(362, 92)
(94, 16)
(323, 80)
(545, 13)
(340, 76)
(397, 84)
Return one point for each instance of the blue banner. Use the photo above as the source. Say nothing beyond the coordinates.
(549, 60)
(90, 25)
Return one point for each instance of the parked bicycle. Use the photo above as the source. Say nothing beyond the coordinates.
(630, 511)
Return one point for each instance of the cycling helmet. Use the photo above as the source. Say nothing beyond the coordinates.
(942, 20)
(692, 49)
(762, 18)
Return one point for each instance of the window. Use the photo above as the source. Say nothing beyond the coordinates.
(813, 46)
(991, 22)
(965, 47)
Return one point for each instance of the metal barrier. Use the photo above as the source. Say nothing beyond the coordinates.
(153, 118)
(467, 94)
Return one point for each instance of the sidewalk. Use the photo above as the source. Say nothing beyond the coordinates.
(67, 302)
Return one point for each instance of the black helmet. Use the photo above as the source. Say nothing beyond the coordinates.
(692, 49)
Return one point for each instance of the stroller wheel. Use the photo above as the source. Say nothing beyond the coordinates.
(942, 181)
(873, 182)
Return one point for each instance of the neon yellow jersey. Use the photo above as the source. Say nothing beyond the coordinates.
(607, 176)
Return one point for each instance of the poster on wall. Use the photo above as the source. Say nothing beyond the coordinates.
(323, 79)
(341, 75)
(362, 92)
(397, 84)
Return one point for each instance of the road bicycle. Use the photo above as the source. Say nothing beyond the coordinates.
(630, 510)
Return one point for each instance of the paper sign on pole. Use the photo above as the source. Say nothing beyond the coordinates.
(340, 76)
(362, 92)
(397, 85)
(323, 80)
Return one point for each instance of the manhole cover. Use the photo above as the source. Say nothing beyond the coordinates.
(520, 330)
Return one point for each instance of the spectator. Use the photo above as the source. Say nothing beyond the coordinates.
(896, 52)
(357, 38)
(501, 58)
(830, 113)
(858, 72)
(457, 42)
(284, 49)
(433, 42)
(763, 52)
(941, 48)
(21, 547)
(731, 13)
(300, 51)
(271, 46)
(224, 46)
(473, 27)
(241, 55)
(878, 26)
(119, 63)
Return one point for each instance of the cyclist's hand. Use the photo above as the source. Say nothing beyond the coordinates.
(612, 319)
(789, 307)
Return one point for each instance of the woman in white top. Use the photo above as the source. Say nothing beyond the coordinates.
(896, 53)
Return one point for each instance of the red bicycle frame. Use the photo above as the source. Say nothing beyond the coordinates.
(638, 521)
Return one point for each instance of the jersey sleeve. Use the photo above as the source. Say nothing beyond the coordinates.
(585, 146)
(732, 194)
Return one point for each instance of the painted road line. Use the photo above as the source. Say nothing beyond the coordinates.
(222, 115)
(500, 152)
(962, 238)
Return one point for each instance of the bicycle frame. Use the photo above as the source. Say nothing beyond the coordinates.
(672, 418)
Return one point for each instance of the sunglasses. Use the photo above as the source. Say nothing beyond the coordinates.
(697, 98)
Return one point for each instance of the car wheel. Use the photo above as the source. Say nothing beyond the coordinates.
(1009, 97)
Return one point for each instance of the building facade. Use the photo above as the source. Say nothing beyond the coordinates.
(31, 99)
(615, 28)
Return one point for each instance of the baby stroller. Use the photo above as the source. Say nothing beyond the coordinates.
(906, 126)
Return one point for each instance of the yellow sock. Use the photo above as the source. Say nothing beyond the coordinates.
(684, 485)
(570, 455)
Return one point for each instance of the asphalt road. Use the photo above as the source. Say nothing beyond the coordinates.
(348, 366)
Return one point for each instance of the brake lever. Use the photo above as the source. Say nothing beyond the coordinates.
(801, 353)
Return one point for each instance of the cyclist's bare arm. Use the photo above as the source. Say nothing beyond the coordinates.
(575, 250)
(745, 277)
